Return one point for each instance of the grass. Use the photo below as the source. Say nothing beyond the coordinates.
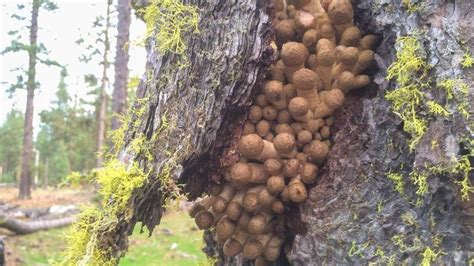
(176, 241)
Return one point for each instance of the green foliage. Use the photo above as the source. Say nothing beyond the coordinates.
(11, 137)
(66, 139)
(429, 256)
(173, 20)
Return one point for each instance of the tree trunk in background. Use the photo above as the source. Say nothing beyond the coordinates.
(27, 154)
(102, 111)
(46, 173)
(353, 214)
(119, 97)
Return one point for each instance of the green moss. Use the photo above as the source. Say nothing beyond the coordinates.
(411, 7)
(173, 20)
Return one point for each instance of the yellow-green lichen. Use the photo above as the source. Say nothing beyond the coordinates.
(117, 182)
(168, 21)
(429, 256)
(397, 180)
(467, 60)
(409, 71)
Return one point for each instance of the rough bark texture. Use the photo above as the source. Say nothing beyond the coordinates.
(190, 113)
(353, 213)
(119, 96)
(27, 154)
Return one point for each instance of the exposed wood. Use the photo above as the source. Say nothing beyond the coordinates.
(26, 227)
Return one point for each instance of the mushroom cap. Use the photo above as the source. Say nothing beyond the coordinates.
(325, 132)
(340, 12)
(263, 128)
(304, 136)
(274, 91)
(204, 219)
(269, 113)
(220, 204)
(265, 198)
(308, 173)
(318, 150)
(368, 42)
(314, 125)
(284, 143)
(278, 207)
(232, 248)
(297, 192)
(290, 91)
(334, 98)
(324, 44)
(326, 57)
(269, 137)
(275, 184)
(225, 228)
(283, 116)
(285, 30)
(345, 79)
(312, 62)
(257, 224)
(297, 127)
(298, 106)
(291, 168)
(250, 145)
(284, 128)
(351, 36)
(349, 56)
(310, 38)
(361, 81)
(255, 114)
(306, 79)
(250, 202)
(302, 157)
(366, 58)
(326, 31)
(249, 128)
(233, 211)
(294, 53)
(272, 166)
(241, 173)
(261, 100)
(252, 249)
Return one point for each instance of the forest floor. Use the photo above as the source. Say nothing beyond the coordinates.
(176, 241)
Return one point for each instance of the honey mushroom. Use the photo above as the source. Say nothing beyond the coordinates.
(319, 57)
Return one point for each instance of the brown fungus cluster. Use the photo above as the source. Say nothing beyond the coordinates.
(319, 57)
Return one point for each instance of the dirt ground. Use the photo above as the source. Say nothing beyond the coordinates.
(40, 198)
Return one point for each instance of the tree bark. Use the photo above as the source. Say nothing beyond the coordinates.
(353, 214)
(102, 110)
(119, 97)
(27, 154)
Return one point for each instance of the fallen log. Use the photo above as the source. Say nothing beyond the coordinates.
(21, 227)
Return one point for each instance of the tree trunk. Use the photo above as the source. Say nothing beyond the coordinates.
(119, 97)
(102, 111)
(27, 154)
(46, 173)
(192, 117)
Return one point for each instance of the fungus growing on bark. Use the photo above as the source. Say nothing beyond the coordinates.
(320, 56)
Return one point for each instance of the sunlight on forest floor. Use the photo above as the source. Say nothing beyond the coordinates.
(176, 241)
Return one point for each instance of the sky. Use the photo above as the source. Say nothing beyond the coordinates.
(59, 30)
